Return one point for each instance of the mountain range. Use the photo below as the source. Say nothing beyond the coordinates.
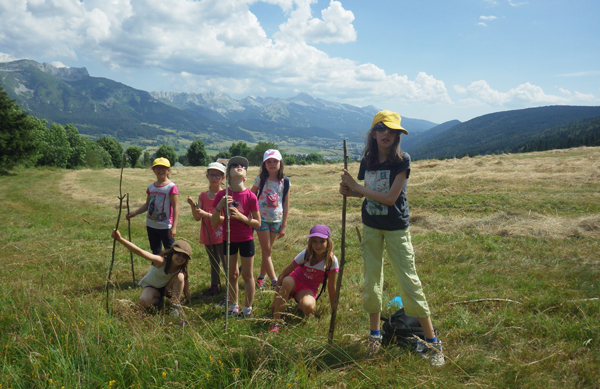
(100, 106)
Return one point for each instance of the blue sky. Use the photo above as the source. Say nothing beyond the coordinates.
(432, 60)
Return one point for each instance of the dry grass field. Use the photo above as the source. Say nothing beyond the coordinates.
(518, 227)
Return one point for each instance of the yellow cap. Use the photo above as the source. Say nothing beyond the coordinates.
(161, 162)
(390, 119)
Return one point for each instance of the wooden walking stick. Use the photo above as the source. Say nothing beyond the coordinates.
(129, 232)
(342, 259)
(228, 246)
(117, 227)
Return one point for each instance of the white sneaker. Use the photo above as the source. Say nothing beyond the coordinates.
(432, 351)
(373, 344)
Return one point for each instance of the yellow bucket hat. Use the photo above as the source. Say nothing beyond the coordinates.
(389, 119)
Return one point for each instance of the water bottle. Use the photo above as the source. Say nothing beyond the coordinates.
(396, 301)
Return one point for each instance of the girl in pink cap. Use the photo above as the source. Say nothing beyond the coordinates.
(271, 187)
(314, 266)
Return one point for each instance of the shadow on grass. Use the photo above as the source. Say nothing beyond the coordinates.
(6, 173)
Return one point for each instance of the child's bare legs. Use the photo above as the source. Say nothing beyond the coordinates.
(149, 298)
(306, 301)
(427, 327)
(375, 321)
(266, 239)
(234, 274)
(176, 286)
(281, 296)
(247, 267)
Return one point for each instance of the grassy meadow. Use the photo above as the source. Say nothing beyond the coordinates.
(522, 227)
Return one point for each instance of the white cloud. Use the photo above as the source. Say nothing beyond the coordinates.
(515, 4)
(58, 64)
(334, 27)
(565, 91)
(524, 93)
(7, 57)
(488, 17)
(209, 45)
(482, 24)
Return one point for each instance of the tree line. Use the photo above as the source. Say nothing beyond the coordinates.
(29, 141)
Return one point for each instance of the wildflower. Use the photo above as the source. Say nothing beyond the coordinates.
(207, 375)
(220, 363)
(164, 374)
(209, 357)
(111, 383)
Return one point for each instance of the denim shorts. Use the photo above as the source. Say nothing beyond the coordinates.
(273, 227)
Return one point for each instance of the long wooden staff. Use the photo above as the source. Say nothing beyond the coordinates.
(228, 247)
(117, 227)
(129, 232)
(342, 259)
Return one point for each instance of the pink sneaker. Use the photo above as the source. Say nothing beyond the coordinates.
(274, 329)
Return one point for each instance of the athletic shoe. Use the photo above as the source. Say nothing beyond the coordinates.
(175, 311)
(432, 351)
(374, 344)
(260, 282)
(274, 328)
(235, 312)
(273, 284)
(244, 315)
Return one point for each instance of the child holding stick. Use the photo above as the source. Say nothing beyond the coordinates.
(211, 237)
(167, 274)
(314, 266)
(385, 215)
(162, 206)
(243, 208)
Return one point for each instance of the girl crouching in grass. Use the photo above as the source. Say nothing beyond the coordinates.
(166, 276)
(301, 279)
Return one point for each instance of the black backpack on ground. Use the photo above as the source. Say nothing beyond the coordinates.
(401, 330)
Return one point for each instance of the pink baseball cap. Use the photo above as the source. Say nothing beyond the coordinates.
(320, 231)
(272, 153)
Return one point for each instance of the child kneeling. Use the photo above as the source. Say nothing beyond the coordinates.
(301, 279)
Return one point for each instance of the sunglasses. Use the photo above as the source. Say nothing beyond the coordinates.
(237, 165)
(382, 128)
(215, 176)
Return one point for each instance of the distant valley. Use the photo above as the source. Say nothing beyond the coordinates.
(300, 124)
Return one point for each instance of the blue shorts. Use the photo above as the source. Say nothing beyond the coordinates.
(273, 227)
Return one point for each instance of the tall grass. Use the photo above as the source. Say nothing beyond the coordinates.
(519, 227)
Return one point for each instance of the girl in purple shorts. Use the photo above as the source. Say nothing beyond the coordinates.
(314, 266)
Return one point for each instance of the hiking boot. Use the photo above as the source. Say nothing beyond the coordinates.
(260, 282)
(373, 344)
(274, 328)
(432, 351)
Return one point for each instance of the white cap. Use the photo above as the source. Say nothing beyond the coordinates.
(272, 153)
(217, 166)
